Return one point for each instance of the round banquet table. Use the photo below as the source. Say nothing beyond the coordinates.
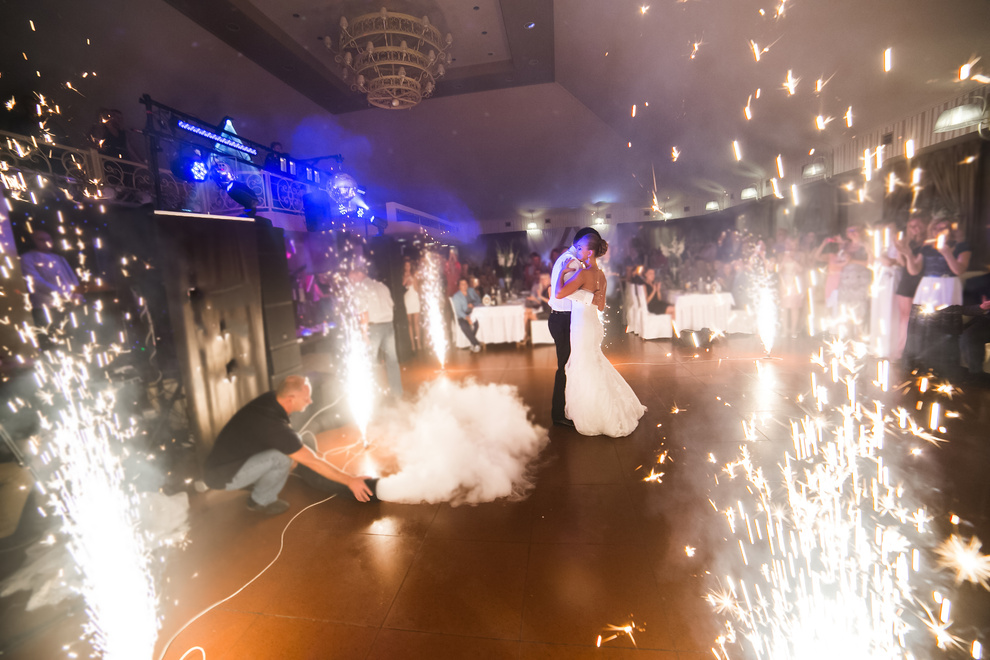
(694, 311)
(497, 324)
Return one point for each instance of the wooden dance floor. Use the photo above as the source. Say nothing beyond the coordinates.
(594, 546)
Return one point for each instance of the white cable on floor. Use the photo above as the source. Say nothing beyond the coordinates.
(326, 407)
(281, 545)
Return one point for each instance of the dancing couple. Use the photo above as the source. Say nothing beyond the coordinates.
(588, 393)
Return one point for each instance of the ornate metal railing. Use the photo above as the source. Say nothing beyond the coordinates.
(123, 181)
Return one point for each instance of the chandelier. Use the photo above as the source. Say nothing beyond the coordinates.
(394, 58)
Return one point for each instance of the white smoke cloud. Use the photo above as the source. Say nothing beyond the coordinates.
(462, 443)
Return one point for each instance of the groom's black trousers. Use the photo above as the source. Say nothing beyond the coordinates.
(559, 325)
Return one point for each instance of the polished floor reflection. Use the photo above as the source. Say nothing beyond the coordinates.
(594, 545)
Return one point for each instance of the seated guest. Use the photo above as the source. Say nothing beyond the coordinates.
(257, 447)
(531, 273)
(465, 300)
(538, 302)
(654, 301)
(974, 339)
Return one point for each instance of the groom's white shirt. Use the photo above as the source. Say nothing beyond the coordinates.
(564, 304)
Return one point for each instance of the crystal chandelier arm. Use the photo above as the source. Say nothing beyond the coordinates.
(394, 74)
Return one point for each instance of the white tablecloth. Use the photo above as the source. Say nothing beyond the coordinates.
(496, 325)
(694, 311)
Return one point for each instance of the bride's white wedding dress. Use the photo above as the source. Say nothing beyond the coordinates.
(597, 399)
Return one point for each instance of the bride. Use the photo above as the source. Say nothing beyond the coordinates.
(597, 399)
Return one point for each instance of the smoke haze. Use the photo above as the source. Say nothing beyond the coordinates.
(462, 443)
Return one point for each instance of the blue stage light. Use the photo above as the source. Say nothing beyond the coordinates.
(216, 137)
(198, 170)
(191, 166)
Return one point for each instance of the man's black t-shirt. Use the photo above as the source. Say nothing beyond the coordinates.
(260, 425)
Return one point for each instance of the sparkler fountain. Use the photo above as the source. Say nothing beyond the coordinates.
(766, 317)
(830, 550)
(87, 489)
(359, 373)
(434, 295)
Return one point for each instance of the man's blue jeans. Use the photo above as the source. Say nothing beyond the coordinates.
(266, 473)
(470, 330)
(382, 337)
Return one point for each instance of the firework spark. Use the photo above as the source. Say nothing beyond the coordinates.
(965, 559)
(790, 83)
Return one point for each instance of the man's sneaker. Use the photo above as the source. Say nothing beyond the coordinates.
(475, 348)
(273, 509)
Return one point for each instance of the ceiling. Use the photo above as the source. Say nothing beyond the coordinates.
(527, 118)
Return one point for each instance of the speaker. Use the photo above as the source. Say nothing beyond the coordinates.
(318, 210)
(278, 309)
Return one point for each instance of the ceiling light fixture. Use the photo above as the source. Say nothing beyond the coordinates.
(395, 58)
(963, 116)
(813, 170)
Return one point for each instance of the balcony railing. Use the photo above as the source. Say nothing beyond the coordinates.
(87, 173)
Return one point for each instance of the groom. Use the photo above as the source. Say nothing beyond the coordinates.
(560, 328)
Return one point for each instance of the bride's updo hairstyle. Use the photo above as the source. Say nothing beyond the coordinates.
(597, 244)
(601, 248)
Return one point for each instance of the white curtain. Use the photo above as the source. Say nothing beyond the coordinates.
(543, 241)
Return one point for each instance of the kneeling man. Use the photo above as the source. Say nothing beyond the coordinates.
(257, 447)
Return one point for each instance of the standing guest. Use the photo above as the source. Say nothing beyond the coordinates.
(465, 300)
(257, 447)
(907, 285)
(452, 271)
(51, 280)
(560, 320)
(109, 136)
(555, 254)
(373, 304)
(273, 161)
(790, 271)
(835, 261)
(855, 277)
(410, 281)
(940, 261)
(780, 242)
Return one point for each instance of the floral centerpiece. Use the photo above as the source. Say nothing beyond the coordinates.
(507, 257)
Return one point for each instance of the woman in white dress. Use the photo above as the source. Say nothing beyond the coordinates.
(410, 280)
(597, 399)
